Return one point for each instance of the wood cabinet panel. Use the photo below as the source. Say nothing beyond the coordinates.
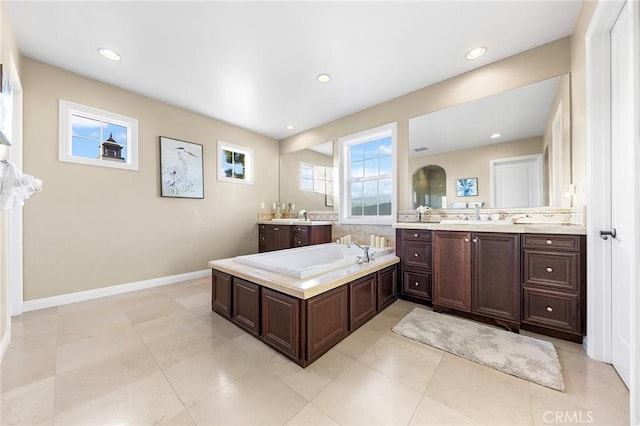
(279, 237)
(281, 322)
(452, 270)
(416, 284)
(553, 309)
(221, 293)
(362, 301)
(246, 305)
(496, 275)
(387, 287)
(416, 255)
(415, 235)
(327, 321)
(551, 269)
(551, 241)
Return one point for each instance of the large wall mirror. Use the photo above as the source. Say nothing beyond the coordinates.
(307, 178)
(514, 146)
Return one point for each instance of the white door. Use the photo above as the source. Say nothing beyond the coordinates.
(516, 181)
(622, 184)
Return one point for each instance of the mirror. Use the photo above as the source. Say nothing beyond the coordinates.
(429, 185)
(307, 178)
(515, 144)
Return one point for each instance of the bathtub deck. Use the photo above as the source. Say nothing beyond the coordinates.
(303, 288)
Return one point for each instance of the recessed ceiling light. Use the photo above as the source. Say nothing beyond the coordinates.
(476, 52)
(289, 127)
(323, 78)
(495, 135)
(110, 54)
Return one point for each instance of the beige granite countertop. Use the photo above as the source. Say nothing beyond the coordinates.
(295, 222)
(516, 228)
(305, 288)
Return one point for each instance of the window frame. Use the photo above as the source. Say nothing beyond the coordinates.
(65, 143)
(345, 142)
(248, 168)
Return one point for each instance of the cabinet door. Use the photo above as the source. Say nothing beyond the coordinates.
(496, 275)
(277, 237)
(246, 305)
(387, 287)
(262, 238)
(327, 321)
(452, 270)
(221, 293)
(319, 234)
(362, 301)
(416, 254)
(281, 322)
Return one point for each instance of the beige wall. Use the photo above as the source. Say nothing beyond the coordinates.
(8, 48)
(94, 227)
(290, 180)
(579, 101)
(550, 60)
(474, 163)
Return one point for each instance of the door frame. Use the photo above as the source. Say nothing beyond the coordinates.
(599, 292)
(537, 158)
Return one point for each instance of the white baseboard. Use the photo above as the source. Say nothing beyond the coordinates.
(4, 343)
(64, 299)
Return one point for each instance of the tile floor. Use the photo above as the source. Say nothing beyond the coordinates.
(160, 356)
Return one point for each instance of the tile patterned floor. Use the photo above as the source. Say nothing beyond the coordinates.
(159, 356)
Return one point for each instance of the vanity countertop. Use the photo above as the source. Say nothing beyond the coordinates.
(295, 222)
(303, 288)
(516, 228)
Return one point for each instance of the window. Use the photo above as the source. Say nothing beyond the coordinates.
(101, 138)
(367, 176)
(235, 163)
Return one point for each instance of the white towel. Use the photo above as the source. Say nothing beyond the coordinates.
(15, 186)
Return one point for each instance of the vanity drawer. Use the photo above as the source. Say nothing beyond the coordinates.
(551, 309)
(551, 269)
(416, 235)
(297, 229)
(551, 241)
(416, 284)
(416, 254)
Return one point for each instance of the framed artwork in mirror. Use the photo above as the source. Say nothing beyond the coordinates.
(181, 169)
(467, 187)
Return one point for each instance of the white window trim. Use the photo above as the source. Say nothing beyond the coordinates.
(65, 135)
(248, 153)
(345, 202)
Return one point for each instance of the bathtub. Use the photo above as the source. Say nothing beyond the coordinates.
(305, 262)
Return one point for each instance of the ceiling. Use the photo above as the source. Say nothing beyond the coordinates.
(254, 64)
(515, 114)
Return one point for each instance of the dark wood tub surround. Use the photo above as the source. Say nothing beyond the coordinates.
(302, 329)
(518, 281)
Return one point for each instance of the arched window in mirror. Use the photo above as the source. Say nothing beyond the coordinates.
(430, 187)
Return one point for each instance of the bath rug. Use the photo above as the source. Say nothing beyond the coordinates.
(521, 356)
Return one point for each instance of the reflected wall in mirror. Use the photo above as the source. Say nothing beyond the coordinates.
(430, 187)
(533, 120)
(307, 178)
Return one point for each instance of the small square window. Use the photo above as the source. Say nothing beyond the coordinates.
(96, 137)
(235, 163)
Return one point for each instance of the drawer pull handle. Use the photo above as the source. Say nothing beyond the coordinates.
(475, 240)
(415, 235)
(549, 309)
(416, 284)
(549, 269)
(299, 242)
(549, 242)
(466, 240)
(416, 254)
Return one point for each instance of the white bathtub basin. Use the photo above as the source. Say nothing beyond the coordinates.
(476, 222)
(305, 262)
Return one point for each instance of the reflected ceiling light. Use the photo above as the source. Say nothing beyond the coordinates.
(495, 135)
(289, 127)
(110, 54)
(476, 52)
(323, 78)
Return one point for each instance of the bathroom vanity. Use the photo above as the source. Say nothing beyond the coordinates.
(515, 276)
(279, 235)
(302, 318)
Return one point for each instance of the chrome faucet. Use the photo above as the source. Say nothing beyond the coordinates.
(477, 212)
(365, 256)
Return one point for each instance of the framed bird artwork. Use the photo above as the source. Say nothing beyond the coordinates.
(181, 166)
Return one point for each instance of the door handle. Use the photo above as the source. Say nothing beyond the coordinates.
(605, 234)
